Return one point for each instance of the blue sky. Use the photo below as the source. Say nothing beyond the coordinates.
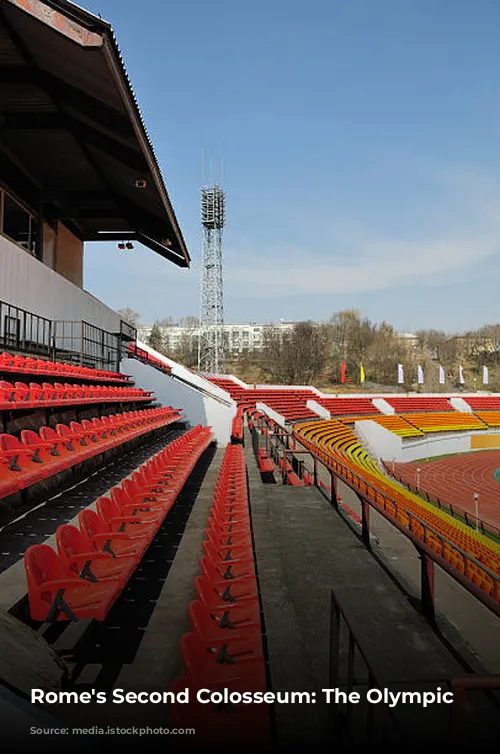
(361, 148)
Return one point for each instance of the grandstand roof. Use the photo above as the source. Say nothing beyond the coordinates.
(73, 141)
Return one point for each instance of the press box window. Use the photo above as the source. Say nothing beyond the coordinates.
(18, 224)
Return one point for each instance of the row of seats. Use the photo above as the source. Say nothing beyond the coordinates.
(346, 406)
(94, 562)
(291, 403)
(224, 648)
(37, 457)
(444, 421)
(237, 426)
(484, 402)
(411, 404)
(417, 425)
(147, 358)
(266, 466)
(490, 418)
(33, 395)
(338, 447)
(397, 424)
(352, 405)
(18, 364)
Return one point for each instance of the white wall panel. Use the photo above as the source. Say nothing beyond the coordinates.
(28, 283)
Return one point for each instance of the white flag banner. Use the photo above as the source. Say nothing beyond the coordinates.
(401, 377)
(461, 375)
(420, 378)
(485, 375)
(441, 375)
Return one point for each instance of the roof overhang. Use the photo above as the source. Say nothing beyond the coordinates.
(72, 139)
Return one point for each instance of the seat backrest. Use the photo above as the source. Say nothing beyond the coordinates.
(28, 437)
(209, 570)
(119, 496)
(9, 442)
(42, 564)
(49, 434)
(70, 542)
(200, 617)
(92, 524)
(130, 488)
(107, 508)
(8, 388)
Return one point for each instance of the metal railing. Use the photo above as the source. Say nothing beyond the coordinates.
(426, 539)
(461, 686)
(79, 342)
(22, 330)
(396, 512)
(76, 342)
(350, 669)
(479, 524)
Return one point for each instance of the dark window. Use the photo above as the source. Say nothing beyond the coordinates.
(17, 222)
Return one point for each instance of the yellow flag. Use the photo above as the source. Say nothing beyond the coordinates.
(361, 374)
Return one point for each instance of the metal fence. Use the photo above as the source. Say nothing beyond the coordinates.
(474, 575)
(82, 343)
(21, 330)
(76, 342)
(353, 720)
(479, 524)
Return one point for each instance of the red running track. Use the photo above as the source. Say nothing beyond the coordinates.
(454, 481)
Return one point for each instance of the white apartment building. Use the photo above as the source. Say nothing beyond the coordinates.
(240, 337)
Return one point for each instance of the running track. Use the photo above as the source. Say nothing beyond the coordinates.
(455, 479)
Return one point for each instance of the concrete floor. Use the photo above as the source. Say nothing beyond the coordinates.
(305, 549)
(458, 611)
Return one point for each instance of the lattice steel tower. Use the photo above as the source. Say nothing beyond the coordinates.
(211, 357)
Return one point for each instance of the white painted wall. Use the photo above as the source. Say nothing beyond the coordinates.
(460, 405)
(200, 400)
(289, 387)
(384, 445)
(28, 283)
(272, 414)
(380, 442)
(237, 380)
(322, 412)
(383, 406)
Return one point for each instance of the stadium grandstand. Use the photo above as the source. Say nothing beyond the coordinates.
(165, 531)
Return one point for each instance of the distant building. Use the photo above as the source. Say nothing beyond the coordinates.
(473, 345)
(240, 337)
(409, 340)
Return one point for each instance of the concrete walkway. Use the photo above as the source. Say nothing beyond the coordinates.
(304, 549)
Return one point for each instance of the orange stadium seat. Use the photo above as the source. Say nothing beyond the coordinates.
(339, 448)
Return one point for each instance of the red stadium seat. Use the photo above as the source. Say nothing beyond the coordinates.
(54, 593)
(117, 543)
(78, 553)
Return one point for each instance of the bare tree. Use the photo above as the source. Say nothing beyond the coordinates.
(128, 315)
(433, 340)
(155, 339)
(187, 350)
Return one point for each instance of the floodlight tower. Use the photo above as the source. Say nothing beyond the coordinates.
(211, 339)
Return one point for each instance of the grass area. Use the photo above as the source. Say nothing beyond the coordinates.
(436, 458)
(450, 455)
